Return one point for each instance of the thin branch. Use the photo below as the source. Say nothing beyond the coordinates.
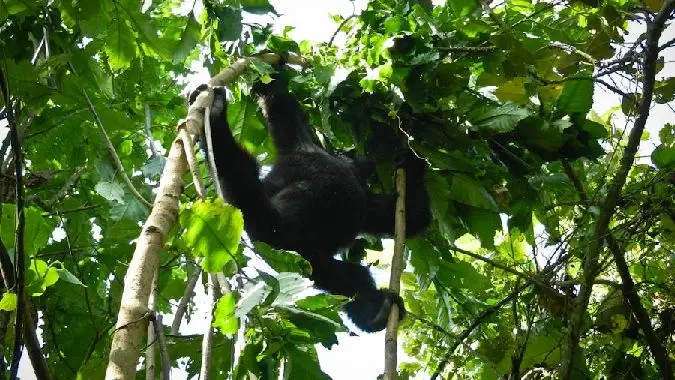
(72, 180)
(20, 255)
(163, 348)
(185, 300)
(207, 341)
(591, 264)
(506, 29)
(342, 24)
(148, 133)
(111, 148)
(397, 266)
(668, 44)
(151, 349)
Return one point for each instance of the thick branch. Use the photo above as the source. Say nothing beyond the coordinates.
(591, 266)
(132, 319)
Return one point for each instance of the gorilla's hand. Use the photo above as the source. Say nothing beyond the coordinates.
(370, 311)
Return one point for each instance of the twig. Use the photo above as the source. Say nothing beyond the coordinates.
(111, 149)
(163, 349)
(342, 24)
(591, 265)
(668, 44)
(148, 133)
(66, 186)
(503, 267)
(397, 266)
(185, 300)
(20, 255)
(502, 25)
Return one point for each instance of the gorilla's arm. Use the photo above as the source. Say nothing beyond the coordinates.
(370, 306)
(238, 173)
(286, 120)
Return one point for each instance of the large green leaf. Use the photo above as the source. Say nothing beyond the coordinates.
(500, 119)
(213, 230)
(38, 228)
(121, 45)
(576, 97)
(224, 318)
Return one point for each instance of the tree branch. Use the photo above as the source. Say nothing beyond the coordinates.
(20, 254)
(397, 266)
(627, 287)
(185, 300)
(148, 133)
(111, 148)
(591, 265)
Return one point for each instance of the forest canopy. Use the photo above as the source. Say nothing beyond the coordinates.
(551, 253)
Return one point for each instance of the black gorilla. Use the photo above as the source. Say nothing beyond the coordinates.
(312, 202)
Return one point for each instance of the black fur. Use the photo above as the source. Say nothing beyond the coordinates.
(312, 202)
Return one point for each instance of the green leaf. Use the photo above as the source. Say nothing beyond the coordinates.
(252, 296)
(8, 301)
(229, 24)
(576, 97)
(37, 232)
(303, 363)
(283, 261)
(664, 90)
(66, 276)
(462, 275)
(663, 157)
(188, 39)
(129, 209)
(213, 230)
(499, 119)
(40, 276)
(224, 318)
(513, 90)
(425, 260)
(258, 6)
(120, 44)
(154, 166)
(468, 191)
(111, 191)
(320, 327)
(482, 223)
